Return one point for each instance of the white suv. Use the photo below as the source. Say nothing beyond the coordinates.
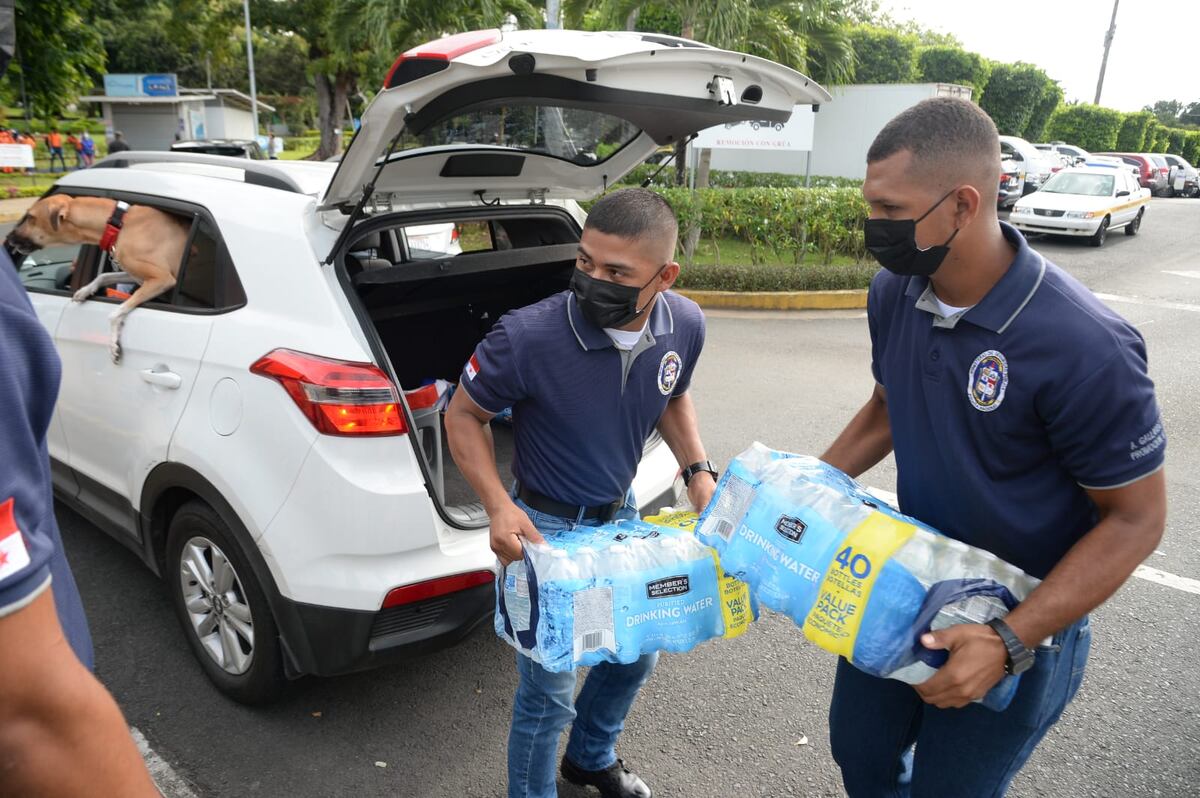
(262, 445)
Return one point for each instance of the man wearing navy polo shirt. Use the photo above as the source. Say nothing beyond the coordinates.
(61, 734)
(1023, 422)
(589, 374)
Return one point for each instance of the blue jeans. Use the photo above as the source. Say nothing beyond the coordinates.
(874, 724)
(545, 703)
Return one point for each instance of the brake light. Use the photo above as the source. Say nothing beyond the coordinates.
(339, 398)
(454, 234)
(445, 49)
(437, 587)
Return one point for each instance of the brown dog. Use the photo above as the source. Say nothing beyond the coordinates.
(148, 250)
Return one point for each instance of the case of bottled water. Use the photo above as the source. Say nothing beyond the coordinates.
(615, 592)
(861, 579)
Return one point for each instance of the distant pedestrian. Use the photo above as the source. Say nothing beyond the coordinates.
(118, 144)
(54, 142)
(76, 145)
(87, 146)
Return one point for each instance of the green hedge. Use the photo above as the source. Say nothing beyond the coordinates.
(946, 64)
(719, 178)
(1013, 94)
(788, 222)
(883, 56)
(1132, 136)
(811, 277)
(1092, 127)
(1191, 147)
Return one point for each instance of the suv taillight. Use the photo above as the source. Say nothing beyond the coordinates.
(436, 587)
(339, 398)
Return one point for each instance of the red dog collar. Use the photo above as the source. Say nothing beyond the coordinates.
(112, 228)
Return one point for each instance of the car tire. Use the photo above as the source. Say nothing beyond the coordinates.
(1132, 228)
(1097, 239)
(222, 608)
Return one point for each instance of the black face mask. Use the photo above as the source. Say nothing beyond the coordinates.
(893, 242)
(607, 304)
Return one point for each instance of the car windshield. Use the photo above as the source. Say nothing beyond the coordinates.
(573, 134)
(1079, 183)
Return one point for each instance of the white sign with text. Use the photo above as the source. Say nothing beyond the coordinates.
(795, 134)
(19, 156)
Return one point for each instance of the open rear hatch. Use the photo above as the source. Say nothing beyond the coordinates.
(541, 114)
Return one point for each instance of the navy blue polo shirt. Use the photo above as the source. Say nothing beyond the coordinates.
(31, 552)
(1004, 414)
(582, 410)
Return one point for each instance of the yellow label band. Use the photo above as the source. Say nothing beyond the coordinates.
(678, 519)
(834, 620)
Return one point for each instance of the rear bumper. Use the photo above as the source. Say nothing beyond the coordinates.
(327, 641)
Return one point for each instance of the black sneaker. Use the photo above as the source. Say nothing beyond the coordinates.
(613, 782)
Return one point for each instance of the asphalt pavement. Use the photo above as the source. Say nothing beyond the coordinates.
(741, 717)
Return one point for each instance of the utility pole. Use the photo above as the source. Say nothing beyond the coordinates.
(1108, 37)
(553, 15)
(250, 64)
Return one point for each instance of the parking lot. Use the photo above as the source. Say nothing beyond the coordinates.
(742, 717)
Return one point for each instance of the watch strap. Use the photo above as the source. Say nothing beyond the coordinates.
(696, 468)
(1018, 658)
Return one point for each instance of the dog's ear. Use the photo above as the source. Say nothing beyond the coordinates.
(57, 208)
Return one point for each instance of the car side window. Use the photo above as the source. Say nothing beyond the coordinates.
(205, 277)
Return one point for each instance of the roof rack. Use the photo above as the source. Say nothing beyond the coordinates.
(258, 173)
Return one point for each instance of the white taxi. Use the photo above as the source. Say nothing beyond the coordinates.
(1084, 201)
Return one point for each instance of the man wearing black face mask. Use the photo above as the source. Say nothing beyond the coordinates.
(589, 374)
(1023, 422)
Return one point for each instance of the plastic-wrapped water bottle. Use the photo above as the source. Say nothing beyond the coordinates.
(863, 581)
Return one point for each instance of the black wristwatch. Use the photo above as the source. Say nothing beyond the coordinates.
(1019, 659)
(696, 468)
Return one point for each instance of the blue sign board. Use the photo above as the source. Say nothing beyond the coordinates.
(129, 85)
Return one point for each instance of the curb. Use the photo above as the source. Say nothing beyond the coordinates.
(9, 218)
(854, 299)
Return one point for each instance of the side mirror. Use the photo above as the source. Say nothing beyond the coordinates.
(1122, 193)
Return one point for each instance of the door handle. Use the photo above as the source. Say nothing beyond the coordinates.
(164, 379)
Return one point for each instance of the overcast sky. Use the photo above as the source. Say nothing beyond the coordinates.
(1155, 53)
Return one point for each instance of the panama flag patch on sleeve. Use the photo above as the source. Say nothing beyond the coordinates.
(472, 368)
(13, 555)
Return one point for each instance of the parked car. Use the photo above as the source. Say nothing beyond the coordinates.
(1183, 179)
(1012, 183)
(1084, 201)
(235, 148)
(1062, 148)
(1037, 166)
(1149, 174)
(268, 444)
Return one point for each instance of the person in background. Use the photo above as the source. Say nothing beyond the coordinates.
(118, 144)
(87, 146)
(76, 145)
(54, 142)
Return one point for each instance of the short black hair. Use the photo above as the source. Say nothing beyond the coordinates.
(943, 133)
(633, 213)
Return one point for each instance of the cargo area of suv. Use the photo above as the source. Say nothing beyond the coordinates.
(430, 310)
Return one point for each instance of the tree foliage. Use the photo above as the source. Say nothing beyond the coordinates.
(59, 54)
(947, 64)
(883, 56)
